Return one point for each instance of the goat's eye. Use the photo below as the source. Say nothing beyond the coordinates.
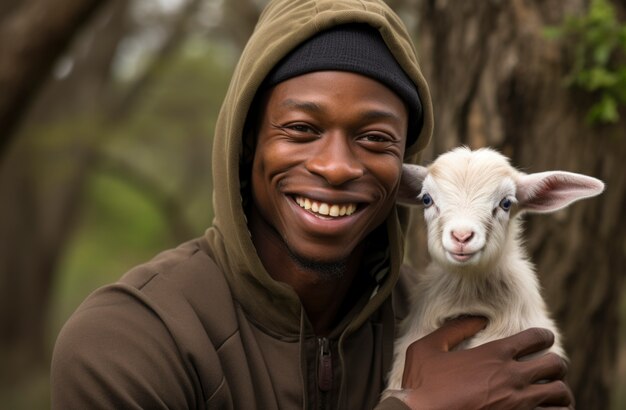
(506, 204)
(427, 200)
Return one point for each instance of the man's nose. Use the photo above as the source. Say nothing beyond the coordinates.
(335, 160)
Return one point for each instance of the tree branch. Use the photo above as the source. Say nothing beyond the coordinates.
(33, 37)
(123, 108)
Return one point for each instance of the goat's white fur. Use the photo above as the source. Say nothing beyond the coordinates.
(497, 281)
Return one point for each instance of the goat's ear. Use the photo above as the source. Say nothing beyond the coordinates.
(411, 183)
(554, 190)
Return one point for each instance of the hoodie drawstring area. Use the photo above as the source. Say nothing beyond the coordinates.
(325, 366)
(324, 372)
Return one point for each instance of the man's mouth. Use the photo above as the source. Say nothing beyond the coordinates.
(325, 209)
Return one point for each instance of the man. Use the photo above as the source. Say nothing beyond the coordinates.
(290, 300)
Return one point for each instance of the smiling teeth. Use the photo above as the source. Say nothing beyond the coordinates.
(325, 209)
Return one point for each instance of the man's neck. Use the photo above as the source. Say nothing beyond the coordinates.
(326, 297)
(326, 291)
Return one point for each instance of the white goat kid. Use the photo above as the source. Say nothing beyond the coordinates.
(472, 202)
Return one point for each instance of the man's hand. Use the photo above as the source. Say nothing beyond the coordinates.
(489, 376)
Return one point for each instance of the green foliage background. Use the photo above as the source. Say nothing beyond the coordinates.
(120, 225)
(167, 142)
(599, 59)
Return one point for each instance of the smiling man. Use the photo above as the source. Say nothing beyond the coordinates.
(291, 298)
(326, 168)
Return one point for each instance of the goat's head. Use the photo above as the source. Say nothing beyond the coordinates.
(471, 197)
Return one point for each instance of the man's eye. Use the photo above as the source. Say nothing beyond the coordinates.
(301, 128)
(376, 138)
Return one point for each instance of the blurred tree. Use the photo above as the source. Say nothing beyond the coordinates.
(176, 34)
(497, 80)
(34, 34)
(44, 175)
(41, 183)
(240, 17)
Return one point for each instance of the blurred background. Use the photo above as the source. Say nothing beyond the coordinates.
(107, 109)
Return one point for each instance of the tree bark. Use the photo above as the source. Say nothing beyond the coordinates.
(42, 187)
(497, 80)
(42, 182)
(33, 37)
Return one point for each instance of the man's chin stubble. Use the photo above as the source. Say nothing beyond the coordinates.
(324, 270)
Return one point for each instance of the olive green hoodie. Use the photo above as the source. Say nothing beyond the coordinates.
(204, 325)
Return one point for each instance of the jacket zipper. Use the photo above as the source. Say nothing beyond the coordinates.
(324, 371)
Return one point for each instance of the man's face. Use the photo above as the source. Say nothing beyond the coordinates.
(327, 162)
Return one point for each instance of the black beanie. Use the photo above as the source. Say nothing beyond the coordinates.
(356, 48)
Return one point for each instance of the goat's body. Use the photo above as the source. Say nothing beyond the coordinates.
(472, 204)
(508, 296)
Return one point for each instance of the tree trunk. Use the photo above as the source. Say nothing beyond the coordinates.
(33, 37)
(42, 182)
(496, 80)
(42, 185)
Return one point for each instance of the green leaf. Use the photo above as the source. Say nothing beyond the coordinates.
(553, 32)
(601, 78)
(604, 112)
(598, 44)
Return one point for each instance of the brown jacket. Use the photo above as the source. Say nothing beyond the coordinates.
(204, 325)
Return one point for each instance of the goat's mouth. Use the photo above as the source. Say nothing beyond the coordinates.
(462, 257)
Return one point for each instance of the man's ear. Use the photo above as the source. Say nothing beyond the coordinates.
(411, 184)
(550, 191)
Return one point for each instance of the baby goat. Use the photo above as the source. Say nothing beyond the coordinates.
(472, 202)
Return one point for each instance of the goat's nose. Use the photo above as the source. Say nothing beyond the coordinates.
(462, 236)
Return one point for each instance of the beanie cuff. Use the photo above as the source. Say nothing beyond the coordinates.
(357, 48)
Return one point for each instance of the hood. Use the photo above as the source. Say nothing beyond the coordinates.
(282, 26)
